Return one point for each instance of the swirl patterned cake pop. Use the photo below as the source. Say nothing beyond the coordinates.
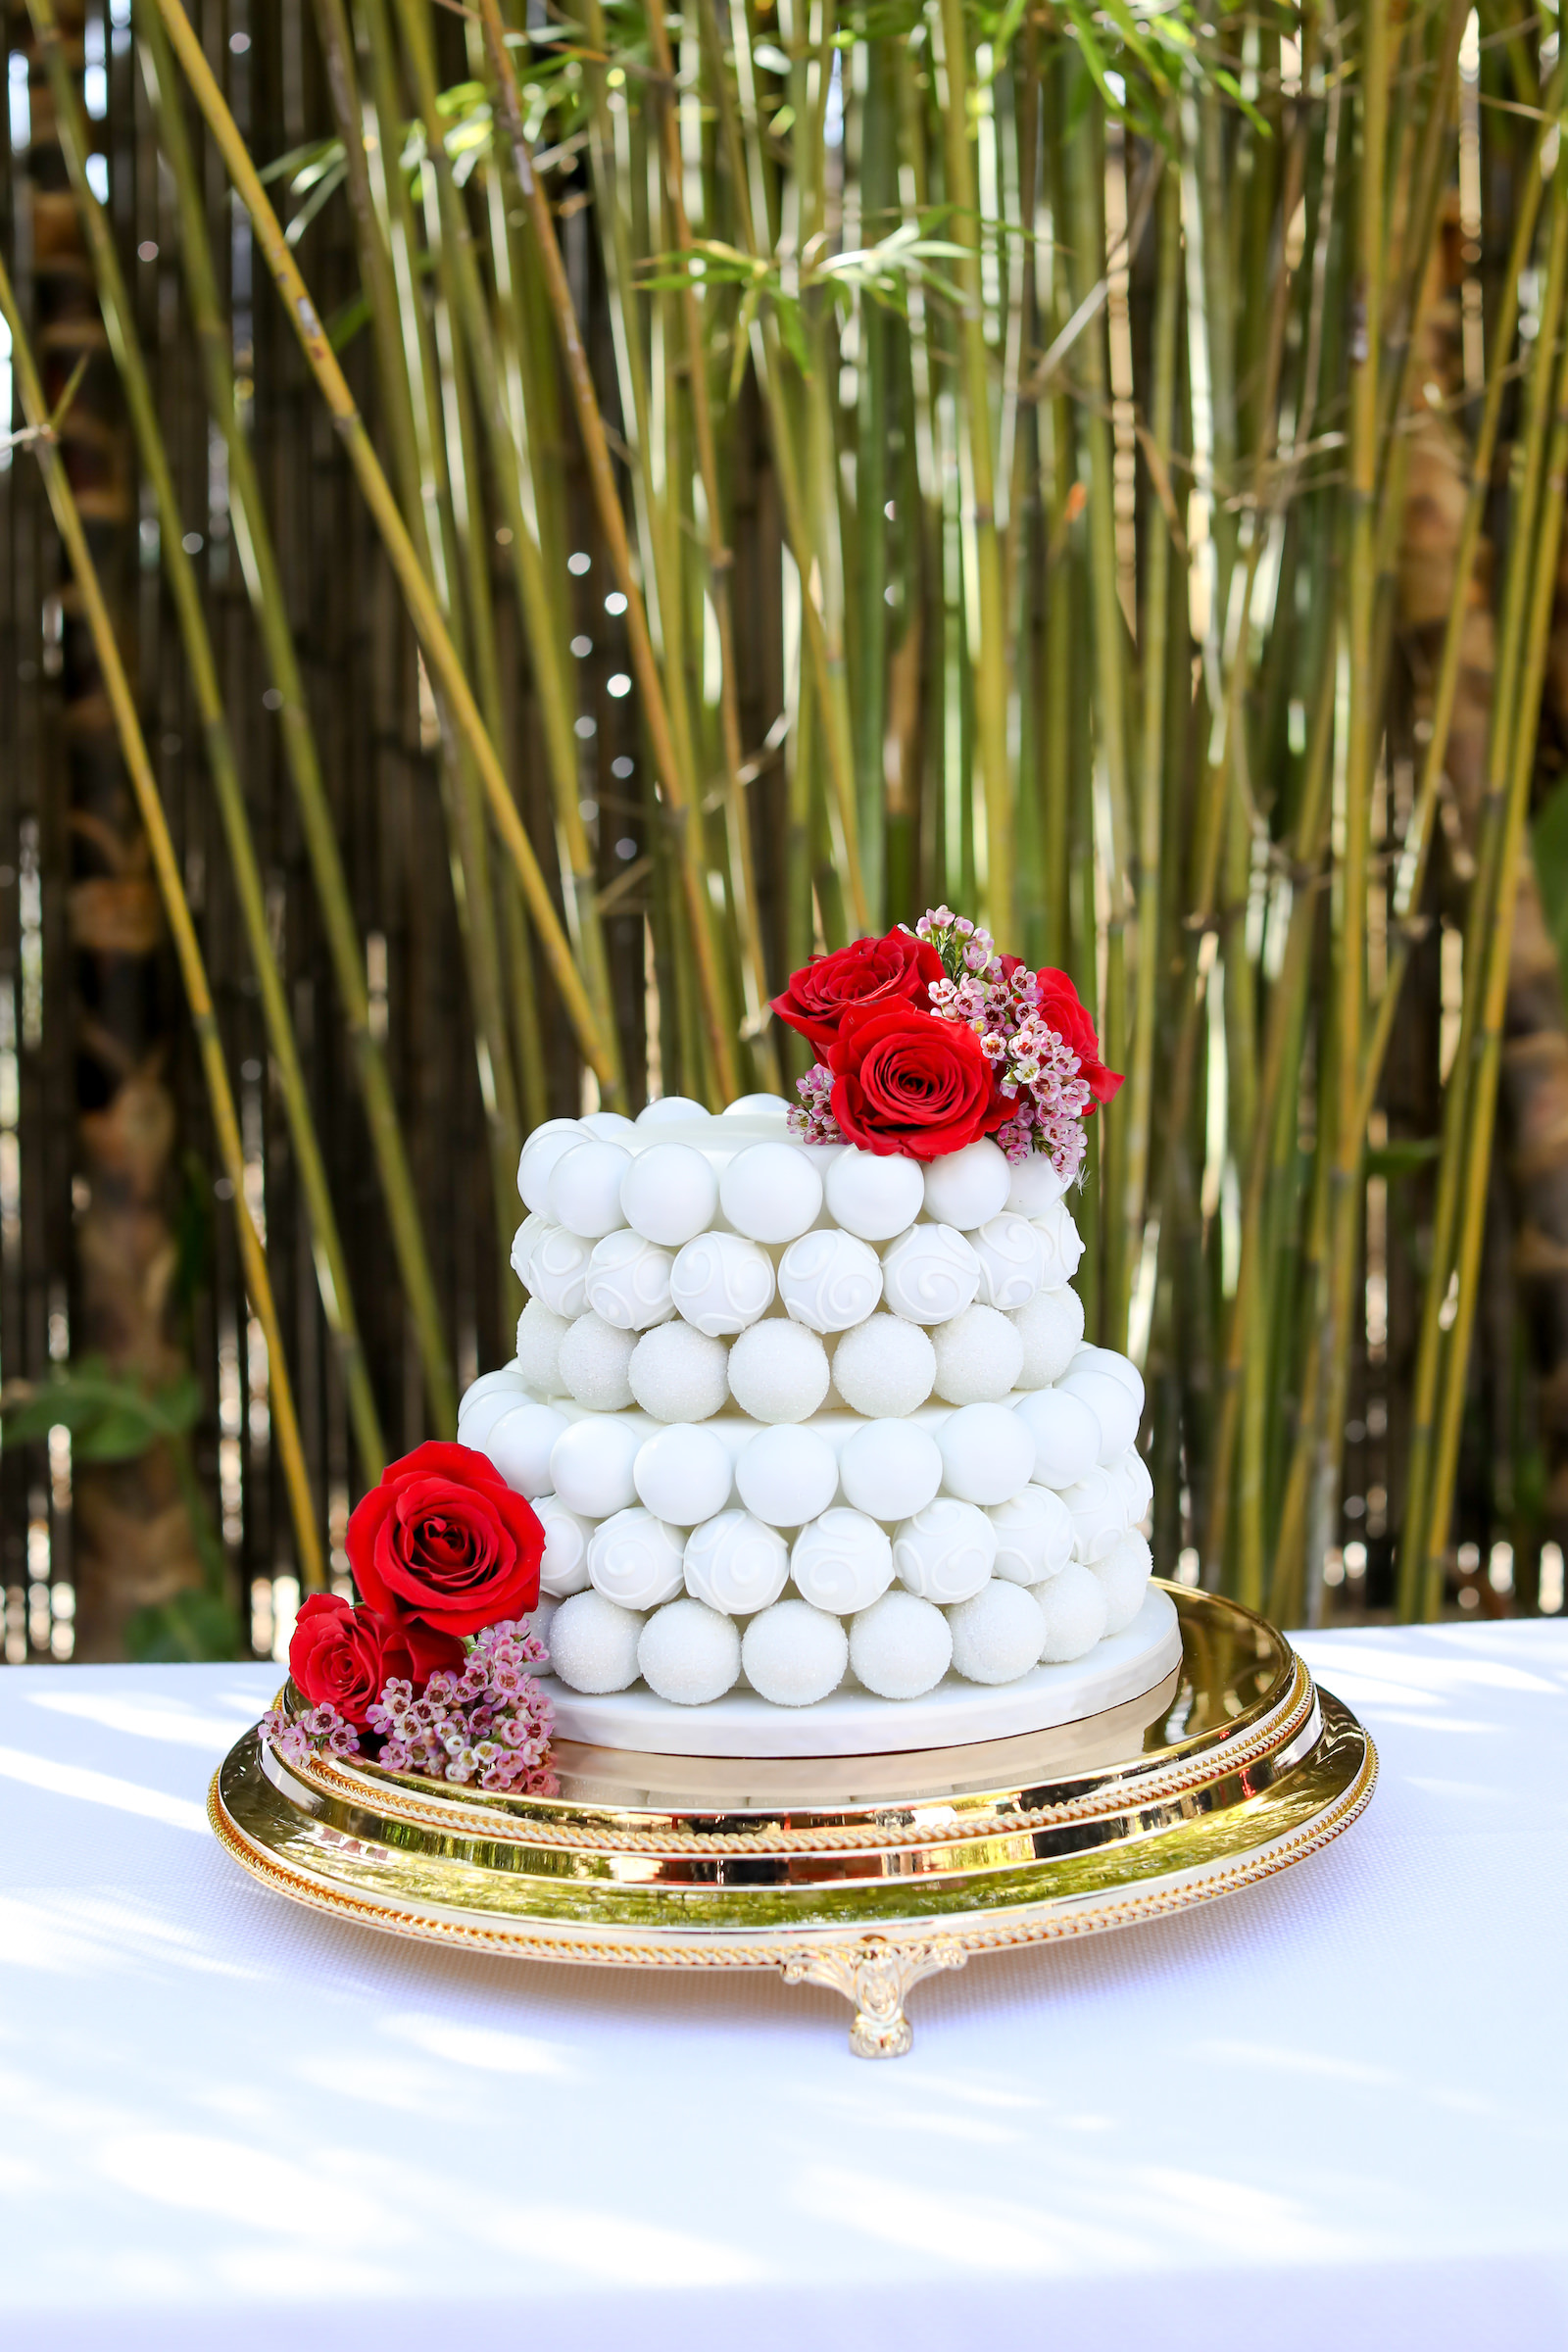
(1063, 1245)
(946, 1551)
(930, 1274)
(721, 1282)
(734, 1563)
(1097, 1505)
(842, 1561)
(1137, 1484)
(627, 1281)
(829, 1281)
(558, 1271)
(635, 1559)
(1012, 1261)
(534, 1225)
(564, 1566)
(1035, 1536)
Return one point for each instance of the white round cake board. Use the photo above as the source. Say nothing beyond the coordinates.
(854, 1723)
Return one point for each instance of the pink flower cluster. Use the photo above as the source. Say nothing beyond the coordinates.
(811, 1119)
(489, 1722)
(296, 1739)
(1035, 1068)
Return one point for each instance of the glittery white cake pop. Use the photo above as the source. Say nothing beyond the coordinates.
(901, 1646)
(875, 1194)
(558, 1271)
(778, 1371)
(946, 1551)
(676, 1374)
(721, 1282)
(829, 1281)
(890, 1469)
(563, 1568)
(787, 1475)
(540, 1152)
(1035, 1536)
(1051, 1327)
(523, 1243)
(1112, 1405)
(1116, 1366)
(670, 1110)
(591, 1462)
(1033, 1185)
(521, 1444)
(1124, 1575)
(758, 1107)
(1137, 1484)
(670, 1193)
(636, 1559)
(734, 1563)
(478, 1416)
(592, 1643)
(585, 1189)
(930, 1274)
(770, 1192)
(1063, 1245)
(979, 1356)
(987, 1455)
(1073, 1608)
(1012, 1261)
(884, 1367)
(592, 1362)
(965, 1187)
(1097, 1503)
(608, 1126)
(540, 1332)
(628, 1282)
(794, 1654)
(997, 1635)
(842, 1561)
(689, 1654)
(683, 1473)
(1065, 1434)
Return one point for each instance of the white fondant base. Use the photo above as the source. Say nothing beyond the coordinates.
(853, 1723)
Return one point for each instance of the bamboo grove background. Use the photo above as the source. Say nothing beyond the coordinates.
(519, 529)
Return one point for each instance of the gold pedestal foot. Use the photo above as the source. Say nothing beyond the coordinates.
(875, 1976)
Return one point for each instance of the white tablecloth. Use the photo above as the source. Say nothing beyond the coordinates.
(1332, 2110)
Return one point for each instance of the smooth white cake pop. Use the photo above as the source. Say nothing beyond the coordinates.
(547, 1145)
(670, 1193)
(979, 1356)
(758, 1107)
(669, 1110)
(884, 1367)
(842, 1561)
(478, 1420)
(987, 1455)
(1073, 1608)
(506, 1377)
(521, 1445)
(593, 1363)
(965, 1187)
(787, 1475)
(592, 1643)
(778, 1371)
(585, 1189)
(563, 1568)
(890, 1469)
(1033, 1185)
(636, 1559)
(946, 1551)
(683, 1473)
(1086, 1358)
(721, 1282)
(1065, 1434)
(591, 1462)
(794, 1654)
(1051, 1327)
(1035, 1536)
(608, 1126)
(829, 1281)
(997, 1635)
(930, 1275)
(1137, 1484)
(523, 1243)
(875, 1194)
(1012, 1261)
(628, 1282)
(735, 1563)
(1112, 1405)
(540, 1332)
(901, 1646)
(689, 1654)
(676, 1374)
(1063, 1245)
(1098, 1505)
(1124, 1575)
(558, 1271)
(770, 1191)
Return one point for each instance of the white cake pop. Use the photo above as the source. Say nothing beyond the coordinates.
(721, 1282)
(1112, 1405)
(787, 1475)
(1035, 1536)
(1099, 1507)
(683, 1473)
(506, 1380)
(676, 1374)
(758, 1107)
(608, 1126)
(475, 1421)
(829, 1281)
(591, 1463)
(1073, 1608)
(734, 1563)
(1051, 1327)
(1086, 1358)
(540, 1332)
(558, 1271)
(793, 1654)
(842, 1561)
(1012, 1261)
(585, 1189)
(521, 1445)
(636, 1559)
(689, 1654)
(770, 1192)
(563, 1568)
(670, 1193)
(593, 1363)
(1137, 1484)
(628, 1281)
(884, 1367)
(875, 1194)
(1124, 1575)
(979, 1356)
(901, 1645)
(592, 1643)
(930, 1275)
(670, 1110)
(778, 1371)
(533, 1225)
(1065, 1434)
(1063, 1245)
(987, 1455)
(946, 1551)
(540, 1152)
(538, 1620)
(1033, 1185)
(997, 1635)
(890, 1469)
(965, 1187)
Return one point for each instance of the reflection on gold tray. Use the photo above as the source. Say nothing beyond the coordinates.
(866, 1873)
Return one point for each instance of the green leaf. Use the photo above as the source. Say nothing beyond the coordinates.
(1406, 1157)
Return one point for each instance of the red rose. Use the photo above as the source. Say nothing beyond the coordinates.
(1061, 1009)
(344, 1657)
(868, 974)
(443, 1538)
(909, 1082)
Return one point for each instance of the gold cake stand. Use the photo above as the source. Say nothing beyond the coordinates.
(864, 1873)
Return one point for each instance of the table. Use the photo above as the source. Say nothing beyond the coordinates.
(1332, 2110)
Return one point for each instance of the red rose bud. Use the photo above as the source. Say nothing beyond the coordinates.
(443, 1540)
(342, 1656)
(1061, 1008)
(905, 1081)
(868, 975)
